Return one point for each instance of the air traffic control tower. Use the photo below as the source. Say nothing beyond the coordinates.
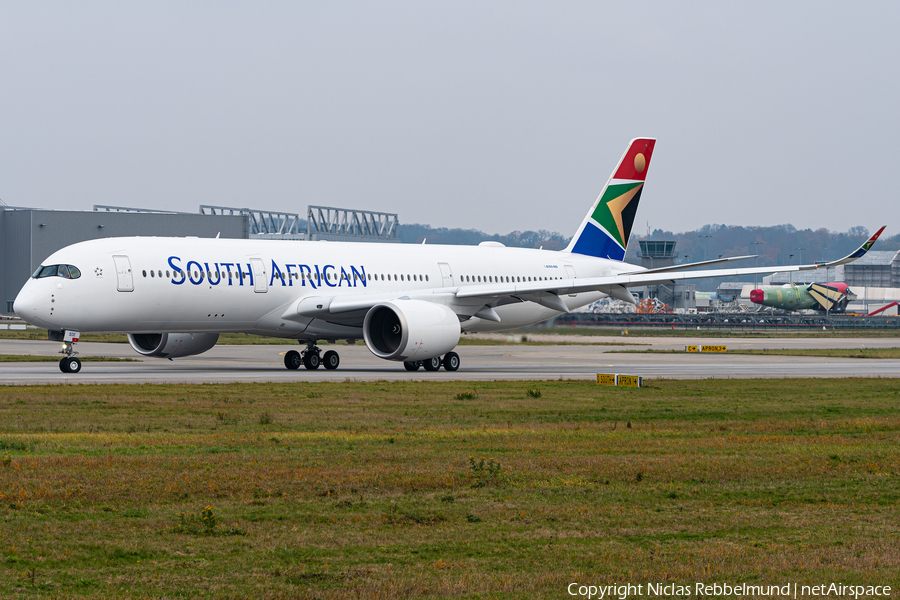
(655, 254)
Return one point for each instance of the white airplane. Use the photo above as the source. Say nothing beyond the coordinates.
(410, 303)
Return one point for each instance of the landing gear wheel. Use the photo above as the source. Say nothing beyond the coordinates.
(412, 365)
(432, 364)
(70, 364)
(311, 361)
(292, 359)
(331, 360)
(451, 361)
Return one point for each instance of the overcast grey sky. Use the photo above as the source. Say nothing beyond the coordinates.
(490, 115)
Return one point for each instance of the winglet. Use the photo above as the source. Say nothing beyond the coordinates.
(860, 252)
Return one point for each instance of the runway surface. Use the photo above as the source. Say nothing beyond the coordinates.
(225, 364)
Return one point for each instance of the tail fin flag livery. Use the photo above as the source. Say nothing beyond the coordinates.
(605, 231)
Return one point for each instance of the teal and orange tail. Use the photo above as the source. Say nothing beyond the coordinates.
(605, 231)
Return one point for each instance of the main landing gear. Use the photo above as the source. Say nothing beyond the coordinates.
(450, 362)
(311, 358)
(69, 363)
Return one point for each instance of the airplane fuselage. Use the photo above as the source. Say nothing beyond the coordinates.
(129, 285)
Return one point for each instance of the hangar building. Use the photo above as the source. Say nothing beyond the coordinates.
(29, 235)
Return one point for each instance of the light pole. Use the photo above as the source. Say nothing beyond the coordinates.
(756, 278)
(706, 246)
(791, 262)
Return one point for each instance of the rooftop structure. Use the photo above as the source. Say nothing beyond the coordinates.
(264, 224)
(346, 224)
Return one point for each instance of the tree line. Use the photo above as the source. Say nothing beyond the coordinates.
(775, 245)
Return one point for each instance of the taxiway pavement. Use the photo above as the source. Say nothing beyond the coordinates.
(264, 363)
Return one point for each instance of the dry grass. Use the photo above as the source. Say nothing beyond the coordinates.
(374, 490)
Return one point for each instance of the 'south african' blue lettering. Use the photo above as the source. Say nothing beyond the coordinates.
(312, 275)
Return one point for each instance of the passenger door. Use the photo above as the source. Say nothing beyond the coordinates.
(446, 275)
(260, 283)
(570, 274)
(124, 278)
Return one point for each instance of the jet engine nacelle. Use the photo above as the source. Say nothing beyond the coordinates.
(172, 345)
(410, 330)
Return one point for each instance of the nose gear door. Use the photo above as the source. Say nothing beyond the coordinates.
(124, 279)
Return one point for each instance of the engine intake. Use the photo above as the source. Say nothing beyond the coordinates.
(410, 330)
(172, 345)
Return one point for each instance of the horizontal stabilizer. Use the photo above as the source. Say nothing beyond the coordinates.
(826, 295)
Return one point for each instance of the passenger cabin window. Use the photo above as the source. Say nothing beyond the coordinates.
(64, 271)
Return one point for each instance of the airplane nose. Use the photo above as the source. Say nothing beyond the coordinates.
(24, 304)
(757, 296)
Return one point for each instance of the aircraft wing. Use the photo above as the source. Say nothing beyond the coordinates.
(545, 293)
(703, 263)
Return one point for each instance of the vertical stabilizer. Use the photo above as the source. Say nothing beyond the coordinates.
(605, 230)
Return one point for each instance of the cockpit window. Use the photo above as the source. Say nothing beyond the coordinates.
(65, 271)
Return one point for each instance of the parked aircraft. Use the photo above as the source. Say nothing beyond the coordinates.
(816, 296)
(174, 296)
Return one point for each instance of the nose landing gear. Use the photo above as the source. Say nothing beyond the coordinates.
(69, 363)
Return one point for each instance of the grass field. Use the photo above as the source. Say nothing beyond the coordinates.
(437, 490)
